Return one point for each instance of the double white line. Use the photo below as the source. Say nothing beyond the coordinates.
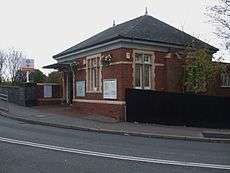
(115, 156)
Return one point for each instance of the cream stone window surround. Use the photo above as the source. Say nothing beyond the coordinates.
(151, 70)
(90, 78)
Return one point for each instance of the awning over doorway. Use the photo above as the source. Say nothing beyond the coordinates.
(57, 66)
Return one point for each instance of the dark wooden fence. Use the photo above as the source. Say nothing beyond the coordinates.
(32, 94)
(4, 104)
(148, 106)
(23, 95)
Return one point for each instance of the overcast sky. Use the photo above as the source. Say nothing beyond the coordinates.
(43, 28)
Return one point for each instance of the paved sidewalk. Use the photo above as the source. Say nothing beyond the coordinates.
(64, 117)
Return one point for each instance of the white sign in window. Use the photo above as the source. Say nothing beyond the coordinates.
(110, 88)
(80, 87)
(47, 91)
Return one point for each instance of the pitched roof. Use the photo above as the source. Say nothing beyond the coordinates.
(145, 28)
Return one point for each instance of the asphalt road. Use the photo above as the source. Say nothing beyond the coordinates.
(26, 148)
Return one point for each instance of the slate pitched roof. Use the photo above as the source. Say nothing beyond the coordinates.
(145, 28)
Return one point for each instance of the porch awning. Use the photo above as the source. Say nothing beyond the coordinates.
(57, 66)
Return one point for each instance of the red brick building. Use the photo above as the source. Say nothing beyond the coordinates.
(142, 53)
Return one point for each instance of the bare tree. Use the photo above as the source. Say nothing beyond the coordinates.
(13, 61)
(220, 16)
(2, 64)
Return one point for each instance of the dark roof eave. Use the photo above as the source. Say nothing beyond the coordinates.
(86, 47)
(207, 46)
(211, 48)
(56, 66)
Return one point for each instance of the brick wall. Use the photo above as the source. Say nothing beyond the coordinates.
(110, 110)
(169, 69)
(174, 69)
(56, 95)
(160, 71)
(117, 70)
(217, 89)
(167, 73)
(121, 72)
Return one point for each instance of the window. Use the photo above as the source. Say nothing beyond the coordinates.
(225, 79)
(142, 71)
(93, 75)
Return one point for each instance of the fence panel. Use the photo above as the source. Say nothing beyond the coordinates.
(4, 104)
(148, 106)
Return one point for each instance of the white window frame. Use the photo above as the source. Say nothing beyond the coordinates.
(89, 77)
(225, 80)
(143, 63)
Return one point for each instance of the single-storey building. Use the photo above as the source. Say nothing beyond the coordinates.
(143, 53)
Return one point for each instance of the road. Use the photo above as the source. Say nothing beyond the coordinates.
(26, 148)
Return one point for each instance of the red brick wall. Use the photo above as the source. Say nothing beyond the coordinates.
(160, 71)
(168, 70)
(217, 89)
(174, 73)
(56, 95)
(110, 110)
(121, 72)
(167, 73)
(56, 91)
(167, 76)
(223, 91)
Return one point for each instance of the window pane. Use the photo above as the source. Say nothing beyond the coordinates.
(222, 78)
(146, 76)
(98, 61)
(138, 57)
(94, 78)
(94, 62)
(225, 77)
(137, 75)
(98, 77)
(88, 79)
(147, 58)
(93, 74)
(228, 80)
(88, 63)
(91, 79)
(225, 80)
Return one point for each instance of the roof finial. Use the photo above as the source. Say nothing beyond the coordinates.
(114, 23)
(146, 10)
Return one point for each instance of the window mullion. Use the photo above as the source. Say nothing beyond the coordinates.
(142, 71)
(90, 80)
(142, 76)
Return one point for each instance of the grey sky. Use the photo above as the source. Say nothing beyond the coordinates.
(43, 28)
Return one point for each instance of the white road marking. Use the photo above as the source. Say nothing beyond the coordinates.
(115, 156)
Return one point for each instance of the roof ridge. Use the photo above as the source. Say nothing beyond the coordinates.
(125, 33)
